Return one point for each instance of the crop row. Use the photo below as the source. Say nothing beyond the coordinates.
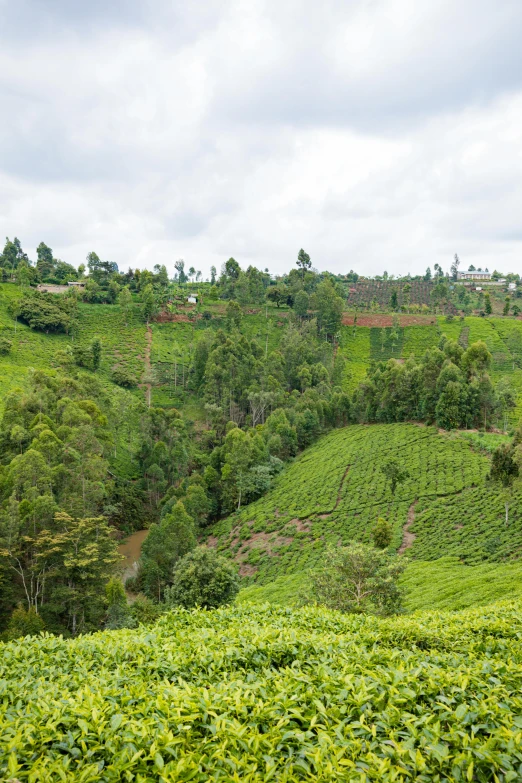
(268, 694)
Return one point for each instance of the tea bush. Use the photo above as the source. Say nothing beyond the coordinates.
(256, 694)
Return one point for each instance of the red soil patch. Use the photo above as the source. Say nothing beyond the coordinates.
(247, 570)
(301, 525)
(407, 536)
(178, 318)
(387, 320)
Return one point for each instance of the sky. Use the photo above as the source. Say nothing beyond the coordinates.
(376, 134)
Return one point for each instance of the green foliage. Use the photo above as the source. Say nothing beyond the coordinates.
(165, 545)
(24, 622)
(5, 346)
(382, 533)
(286, 695)
(335, 492)
(47, 312)
(358, 579)
(203, 578)
(393, 472)
(122, 377)
(118, 612)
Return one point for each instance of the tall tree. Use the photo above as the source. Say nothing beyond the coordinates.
(303, 261)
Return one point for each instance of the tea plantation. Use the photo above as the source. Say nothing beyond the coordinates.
(335, 492)
(265, 693)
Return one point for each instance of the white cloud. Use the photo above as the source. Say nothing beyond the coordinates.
(375, 133)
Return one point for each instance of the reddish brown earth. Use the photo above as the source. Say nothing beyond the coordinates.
(407, 536)
(387, 320)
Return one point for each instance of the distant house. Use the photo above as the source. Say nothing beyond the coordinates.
(51, 288)
(192, 299)
(474, 277)
(512, 286)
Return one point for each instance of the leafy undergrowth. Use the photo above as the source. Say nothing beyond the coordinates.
(335, 492)
(263, 693)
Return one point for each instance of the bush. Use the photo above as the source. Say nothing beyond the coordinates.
(358, 579)
(5, 346)
(203, 578)
(144, 611)
(382, 534)
(123, 378)
(118, 613)
(24, 622)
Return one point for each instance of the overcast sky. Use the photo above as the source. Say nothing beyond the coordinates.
(376, 134)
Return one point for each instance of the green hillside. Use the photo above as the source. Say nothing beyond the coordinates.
(258, 694)
(335, 492)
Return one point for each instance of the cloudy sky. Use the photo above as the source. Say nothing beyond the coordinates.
(376, 134)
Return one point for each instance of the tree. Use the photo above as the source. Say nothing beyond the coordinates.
(303, 261)
(213, 273)
(504, 470)
(166, 543)
(234, 314)
(358, 579)
(329, 307)
(455, 267)
(192, 272)
(96, 352)
(125, 302)
(179, 266)
(507, 305)
(394, 301)
(427, 275)
(118, 610)
(277, 294)
(487, 303)
(394, 473)
(382, 533)
(149, 303)
(301, 303)
(203, 578)
(44, 261)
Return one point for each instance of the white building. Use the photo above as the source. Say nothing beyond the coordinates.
(474, 276)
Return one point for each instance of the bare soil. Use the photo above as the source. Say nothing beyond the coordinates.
(407, 536)
(387, 320)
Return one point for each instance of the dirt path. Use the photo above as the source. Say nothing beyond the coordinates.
(407, 536)
(148, 348)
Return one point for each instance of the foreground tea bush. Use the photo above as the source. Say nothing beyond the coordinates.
(257, 694)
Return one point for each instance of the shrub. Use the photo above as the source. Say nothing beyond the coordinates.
(5, 346)
(203, 578)
(122, 377)
(358, 579)
(24, 622)
(382, 533)
(118, 612)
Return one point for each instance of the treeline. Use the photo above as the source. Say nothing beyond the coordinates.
(448, 386)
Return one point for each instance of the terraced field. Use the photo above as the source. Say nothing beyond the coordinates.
(336, 491)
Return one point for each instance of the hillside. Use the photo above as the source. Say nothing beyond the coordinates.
(257, 694)
(335, 492)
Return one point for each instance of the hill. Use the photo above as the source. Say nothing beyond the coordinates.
(259, 693)
(335, 492)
